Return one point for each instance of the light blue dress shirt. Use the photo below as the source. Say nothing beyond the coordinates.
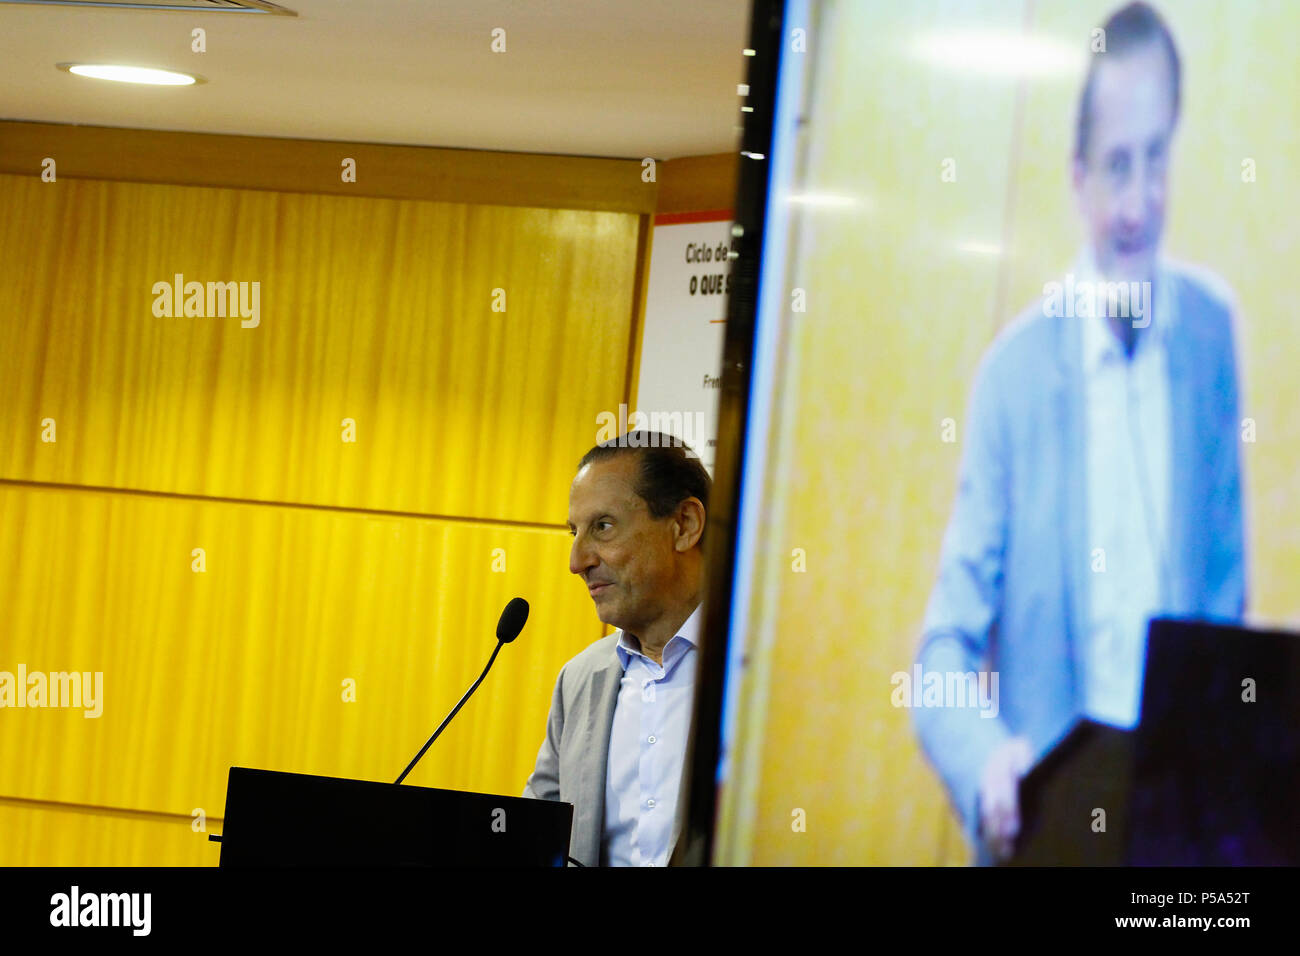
(1128, 451)
(647, 747)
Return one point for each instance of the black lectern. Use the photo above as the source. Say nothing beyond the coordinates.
(294, 819)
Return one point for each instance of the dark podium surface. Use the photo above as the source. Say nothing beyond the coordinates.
(1209, 777)
(1090, 770)
(291, 819)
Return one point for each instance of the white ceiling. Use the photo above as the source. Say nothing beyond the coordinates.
(618, 78)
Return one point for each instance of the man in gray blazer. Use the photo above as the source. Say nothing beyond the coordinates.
(1100, 483)
(620, 715)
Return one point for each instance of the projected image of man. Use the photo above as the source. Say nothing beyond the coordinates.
(1100, 483)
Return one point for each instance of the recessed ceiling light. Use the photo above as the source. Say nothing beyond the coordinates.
(131, 74)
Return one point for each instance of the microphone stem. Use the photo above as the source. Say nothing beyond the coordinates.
(454, 711)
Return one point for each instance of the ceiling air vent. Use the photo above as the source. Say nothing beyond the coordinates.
(191, 6)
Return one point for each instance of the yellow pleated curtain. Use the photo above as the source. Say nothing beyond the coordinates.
(256, 589)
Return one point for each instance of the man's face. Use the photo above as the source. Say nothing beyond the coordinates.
(1120, 183)
(625, 557)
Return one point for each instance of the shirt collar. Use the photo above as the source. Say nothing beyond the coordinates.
(688, 632)
(1099, 341)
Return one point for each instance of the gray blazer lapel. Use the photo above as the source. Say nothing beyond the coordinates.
(1072, 468)
(1185, 416)
(595, 747)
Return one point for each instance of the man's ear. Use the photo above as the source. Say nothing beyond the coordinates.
(688, 525)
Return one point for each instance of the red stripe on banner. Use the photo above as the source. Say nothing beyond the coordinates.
(708, 215)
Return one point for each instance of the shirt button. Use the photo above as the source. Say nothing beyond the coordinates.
(650, 803)
(651, 739)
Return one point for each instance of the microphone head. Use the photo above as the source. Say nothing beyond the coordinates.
(512, 620)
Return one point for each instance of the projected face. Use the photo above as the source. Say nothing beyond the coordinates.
(1120, 182)
(624, 555)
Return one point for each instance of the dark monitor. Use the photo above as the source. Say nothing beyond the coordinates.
(871, 283)
(1217, 764)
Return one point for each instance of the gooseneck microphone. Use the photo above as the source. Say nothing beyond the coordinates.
(511, 623)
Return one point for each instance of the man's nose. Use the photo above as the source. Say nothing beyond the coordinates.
(1137, 193)
(581, 556)
(1132, 206)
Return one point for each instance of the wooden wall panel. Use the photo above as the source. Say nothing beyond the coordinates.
(316, 166)
(46, 835)
(244, 663)
(376, 310)
(375, 561)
